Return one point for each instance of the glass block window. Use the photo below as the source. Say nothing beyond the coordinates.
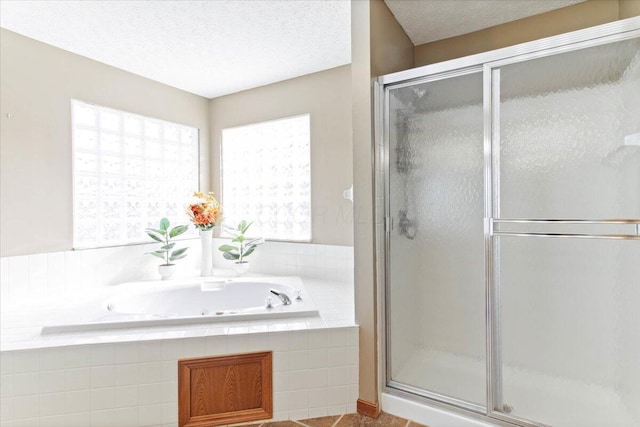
(266, 178)
(129, 171)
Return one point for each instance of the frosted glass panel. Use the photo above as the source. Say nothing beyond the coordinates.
(436, 304)
(571, 330)
(570, 135)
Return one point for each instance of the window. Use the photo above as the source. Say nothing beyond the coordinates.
(129, 171)
(266, 178)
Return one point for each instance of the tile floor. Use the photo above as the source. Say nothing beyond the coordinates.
(347, 420)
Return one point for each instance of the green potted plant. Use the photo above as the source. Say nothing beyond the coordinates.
(245, 247)
(163, 234)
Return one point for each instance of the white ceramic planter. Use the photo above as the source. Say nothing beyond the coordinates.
(167, 270)
(241, 268)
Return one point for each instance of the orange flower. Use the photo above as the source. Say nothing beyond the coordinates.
(205, 211)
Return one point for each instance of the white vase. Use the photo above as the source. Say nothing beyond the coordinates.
(241, 268)
(206, 262)
(166, 271)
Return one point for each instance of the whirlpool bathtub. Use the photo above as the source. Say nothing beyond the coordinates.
(200, 300)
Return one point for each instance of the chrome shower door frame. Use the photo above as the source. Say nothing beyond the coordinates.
(489, 64)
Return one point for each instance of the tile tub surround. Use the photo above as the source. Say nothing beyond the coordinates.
(128, 377)
(41, 277)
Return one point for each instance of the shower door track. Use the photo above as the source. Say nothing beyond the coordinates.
(489, 64)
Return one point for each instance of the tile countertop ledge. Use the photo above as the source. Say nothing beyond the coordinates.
(21, 326)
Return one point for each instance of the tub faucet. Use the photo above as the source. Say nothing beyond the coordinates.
(283, 297)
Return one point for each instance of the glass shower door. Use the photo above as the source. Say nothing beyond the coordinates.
(567, 254)
(435, 254)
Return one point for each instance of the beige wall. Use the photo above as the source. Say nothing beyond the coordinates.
(37, 82)
(559, 21)
(378, 46)
(326, 96)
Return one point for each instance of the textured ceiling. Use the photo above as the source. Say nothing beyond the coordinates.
(209, 48)
(429, 20)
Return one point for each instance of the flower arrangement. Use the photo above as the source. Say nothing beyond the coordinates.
(205, 211)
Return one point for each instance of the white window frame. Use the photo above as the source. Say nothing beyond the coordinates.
(189, 154)
(261, 226)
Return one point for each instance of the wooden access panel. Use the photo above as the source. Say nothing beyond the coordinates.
(213, 391)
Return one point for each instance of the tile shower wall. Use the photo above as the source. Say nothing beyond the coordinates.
(135, 384)
(44, 276)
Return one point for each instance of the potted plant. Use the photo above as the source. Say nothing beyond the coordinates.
(163, 235)
(245, 247)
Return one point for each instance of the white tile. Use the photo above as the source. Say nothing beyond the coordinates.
(337, 376)
(336, 396)
(149, 415)
(298, 399)
(298, 380)
(352, 394)
(337, 337)
(318, 339)
(78, 356)
(78, 401)
(336, 357)
(78, 419)
(6, 414)
(279, 341)
(77, 379)
(126, 374)
(194, 347)
(237, 344)
(149, 351)
(280, 381)
(170, 414)
(318, 358)
(26, 384)
(126, 352)
(337, 410)
(299, 414)
(102, 418)
(26, 361)
(73, 267)
(317, 412)
(172, 349)
(4, 281)
(38, 276)
(52, 358)
(299, 340)
(6, 386)
(125, 417)
(150, 372)
(103, 376)
(54, 421)
(317, 378)
(281, 401)
(52, 381)
(102, 354)
(31, 422)
(18, 277)
(216, 345)
(102, 398)
(317, 397)
(52, 404)
(6, 362)
(351, 355)
(150, 394)
(298, 360)
(280, 361)
(25, 407)
(352, 336)
(126, 396)
(170, 371)
(56, 274)
(352, 374)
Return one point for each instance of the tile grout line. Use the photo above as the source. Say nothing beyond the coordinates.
(337, 421)
(301, 423)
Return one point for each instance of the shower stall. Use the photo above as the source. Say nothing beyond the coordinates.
(509, 221)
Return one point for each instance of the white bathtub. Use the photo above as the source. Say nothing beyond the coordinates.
(197, 300)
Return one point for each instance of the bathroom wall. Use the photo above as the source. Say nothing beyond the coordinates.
(38, 81)
(326, 96)
(378, 46)
(559, 21)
